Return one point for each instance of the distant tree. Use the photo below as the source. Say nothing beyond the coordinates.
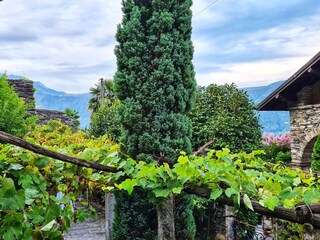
(105, 121)
(13, 112)
(74, 115)
(99, 92)
(225, 114)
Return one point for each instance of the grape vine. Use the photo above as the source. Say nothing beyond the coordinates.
(30, 209)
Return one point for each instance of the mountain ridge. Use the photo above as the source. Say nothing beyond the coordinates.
(272, 121)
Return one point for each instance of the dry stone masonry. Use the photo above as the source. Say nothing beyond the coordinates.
(305, 128)
(25, 90)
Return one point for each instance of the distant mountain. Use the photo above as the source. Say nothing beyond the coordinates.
(272, 121)
(46, 98)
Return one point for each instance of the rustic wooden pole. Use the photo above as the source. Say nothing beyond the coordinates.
(40, 150)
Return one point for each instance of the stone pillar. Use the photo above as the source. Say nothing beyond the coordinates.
(109, 214)
(305, 127)
(229, 211)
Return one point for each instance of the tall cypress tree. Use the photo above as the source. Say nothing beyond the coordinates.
(155, 80)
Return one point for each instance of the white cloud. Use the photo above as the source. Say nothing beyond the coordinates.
(68, 45)
(263, 72)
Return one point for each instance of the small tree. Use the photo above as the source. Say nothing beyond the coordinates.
(103, 90)
(13, 112)
(224, 114)
(105, 121)
(74, 115)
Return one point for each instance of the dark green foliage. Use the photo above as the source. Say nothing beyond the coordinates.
(13, 112)
(226, 115)
(74, 115)
(155, 79)
(105, 121)
(134, 219)
(184, 220)
(315, 164)
(246, 232)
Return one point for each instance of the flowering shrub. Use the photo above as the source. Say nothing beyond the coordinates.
(280, 141)
(277, 148)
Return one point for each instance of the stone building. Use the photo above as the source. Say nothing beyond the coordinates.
(26, 90)
(300, 95)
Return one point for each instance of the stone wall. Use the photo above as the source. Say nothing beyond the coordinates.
(305, 127)
(25, 90)
(45, 115)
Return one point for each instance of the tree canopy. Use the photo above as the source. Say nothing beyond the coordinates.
(224, 114)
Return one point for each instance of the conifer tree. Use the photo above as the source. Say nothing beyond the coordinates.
(155, 80)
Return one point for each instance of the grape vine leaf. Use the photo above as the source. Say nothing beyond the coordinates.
(10, 199)
(247, 202)
(215, 193)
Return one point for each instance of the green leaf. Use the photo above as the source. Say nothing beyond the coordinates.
(95, 177)
(15, 166)
(183, 160)
(247, 202)
(158, 192)
(11, 199)
(7, 183)
(13, 226)
(271, 202)
(231, 191)
(128, 185)
(36, 214)
(215, 193)
(311, 196)
(48, 226)
(31, 195)
(42, 162)
(177, 190)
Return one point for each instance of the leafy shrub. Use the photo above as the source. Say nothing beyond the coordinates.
(105, 121)
(13, 112)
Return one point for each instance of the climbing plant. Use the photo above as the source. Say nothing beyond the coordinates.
(29, 183)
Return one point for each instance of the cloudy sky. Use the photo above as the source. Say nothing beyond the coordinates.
(68, 45)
